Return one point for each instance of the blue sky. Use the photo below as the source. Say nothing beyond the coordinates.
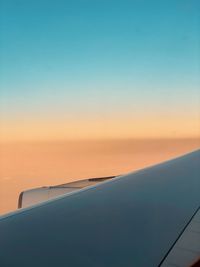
(95, 56)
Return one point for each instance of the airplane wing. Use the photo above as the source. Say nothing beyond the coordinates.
(148, 218)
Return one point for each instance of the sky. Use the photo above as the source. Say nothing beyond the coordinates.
(86, 69)
(83, 74)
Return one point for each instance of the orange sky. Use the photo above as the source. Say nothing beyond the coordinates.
(24, 165)
(121, 126)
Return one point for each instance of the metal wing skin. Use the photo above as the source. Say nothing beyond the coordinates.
(133, 220)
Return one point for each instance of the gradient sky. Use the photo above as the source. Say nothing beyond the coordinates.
(99, 69)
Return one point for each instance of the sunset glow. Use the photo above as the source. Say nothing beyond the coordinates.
(82, 73)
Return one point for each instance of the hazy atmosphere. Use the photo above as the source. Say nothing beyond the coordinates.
(94, 88)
